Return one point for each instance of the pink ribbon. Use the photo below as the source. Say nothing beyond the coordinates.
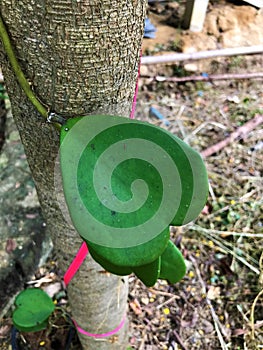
(100, 335)
(76, 263)
(71, 271)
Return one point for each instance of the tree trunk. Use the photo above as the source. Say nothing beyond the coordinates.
(81, 57)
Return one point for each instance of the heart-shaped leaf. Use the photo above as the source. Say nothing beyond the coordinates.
(125, 182)
(33, 308)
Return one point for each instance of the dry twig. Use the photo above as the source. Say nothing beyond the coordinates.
(257, 75)
(179, 340)
(225, 233)
(208, 233)
(213, 313)
(241, 133)
(252, 315)
(176, 57)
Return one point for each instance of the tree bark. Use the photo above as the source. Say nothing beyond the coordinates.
(81, 57)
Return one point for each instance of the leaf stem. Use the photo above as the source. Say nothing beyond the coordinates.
(18, 71)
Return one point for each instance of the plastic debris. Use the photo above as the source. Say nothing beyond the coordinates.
(149, 29)
(155, 113)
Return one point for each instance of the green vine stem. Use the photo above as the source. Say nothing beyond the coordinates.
(18, 71)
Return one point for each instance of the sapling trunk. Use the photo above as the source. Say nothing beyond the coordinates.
(80, 57)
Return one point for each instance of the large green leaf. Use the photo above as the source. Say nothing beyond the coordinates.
(33, 308)
(108, 266)
(125, 182)
(133, 256)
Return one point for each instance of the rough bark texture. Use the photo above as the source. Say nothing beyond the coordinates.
(81, 57)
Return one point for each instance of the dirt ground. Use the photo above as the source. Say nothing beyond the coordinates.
(219, 303)
(212, 307)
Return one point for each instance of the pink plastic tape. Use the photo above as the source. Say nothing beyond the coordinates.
(76, 263)
(100, 335)
(73, 268)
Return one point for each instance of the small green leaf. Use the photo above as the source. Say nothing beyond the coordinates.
(33, 308)
(172, 264)
(149, 273)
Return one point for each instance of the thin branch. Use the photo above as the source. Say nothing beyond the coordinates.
(143, 340)
(252, 316)
(167, 301)
(241, 132)
(217, 324)
(160, 292)
(8, 306)
(209, 77)
(218, 241)
(179, 340)
(177, 57)
(225, 233)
